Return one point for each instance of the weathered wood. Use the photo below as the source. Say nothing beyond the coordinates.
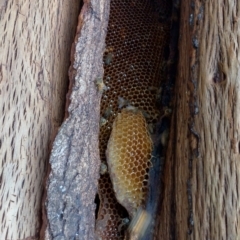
(202, 171)
(201, 179)
(75, 159)
(36, 38)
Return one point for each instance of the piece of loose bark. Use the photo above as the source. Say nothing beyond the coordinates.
(75, 155)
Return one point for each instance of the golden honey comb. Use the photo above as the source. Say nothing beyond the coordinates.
(129, 158)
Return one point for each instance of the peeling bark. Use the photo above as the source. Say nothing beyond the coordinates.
(75, 155)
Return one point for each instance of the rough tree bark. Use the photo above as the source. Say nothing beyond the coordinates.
(75, 159)
(35, 43)
(202, 171)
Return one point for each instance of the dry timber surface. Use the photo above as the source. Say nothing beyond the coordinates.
(202, 171)
(35, 43)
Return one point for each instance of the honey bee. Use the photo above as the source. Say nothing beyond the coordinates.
(103, 168)
(139, 225)
(123, 102)
(164, 137)
(100, 85)
(109, 58)
(103, 121)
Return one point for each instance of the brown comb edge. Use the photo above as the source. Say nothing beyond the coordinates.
(71, 74)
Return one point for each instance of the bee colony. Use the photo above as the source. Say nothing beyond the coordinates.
(134, 63)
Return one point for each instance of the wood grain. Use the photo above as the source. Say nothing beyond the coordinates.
(202, 171)
(35, 44)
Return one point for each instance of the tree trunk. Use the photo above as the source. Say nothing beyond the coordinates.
(202, 170)
(35, 45)
(201, 178)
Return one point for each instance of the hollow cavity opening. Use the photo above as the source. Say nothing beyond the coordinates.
(139, 72)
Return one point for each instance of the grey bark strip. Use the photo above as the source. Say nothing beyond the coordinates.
(74, 160)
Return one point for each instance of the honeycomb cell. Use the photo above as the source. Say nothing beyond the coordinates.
(136, 40)
(111, 214)
(129, 188)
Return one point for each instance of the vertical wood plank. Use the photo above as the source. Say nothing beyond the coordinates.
(36, 38)
(202, 171)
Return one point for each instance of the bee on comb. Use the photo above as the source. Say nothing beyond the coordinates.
(139, 225)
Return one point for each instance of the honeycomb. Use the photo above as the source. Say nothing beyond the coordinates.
(134, 66)
(128, 157)
(110, 224)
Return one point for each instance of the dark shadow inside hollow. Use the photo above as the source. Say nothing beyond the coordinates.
(97, 202)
